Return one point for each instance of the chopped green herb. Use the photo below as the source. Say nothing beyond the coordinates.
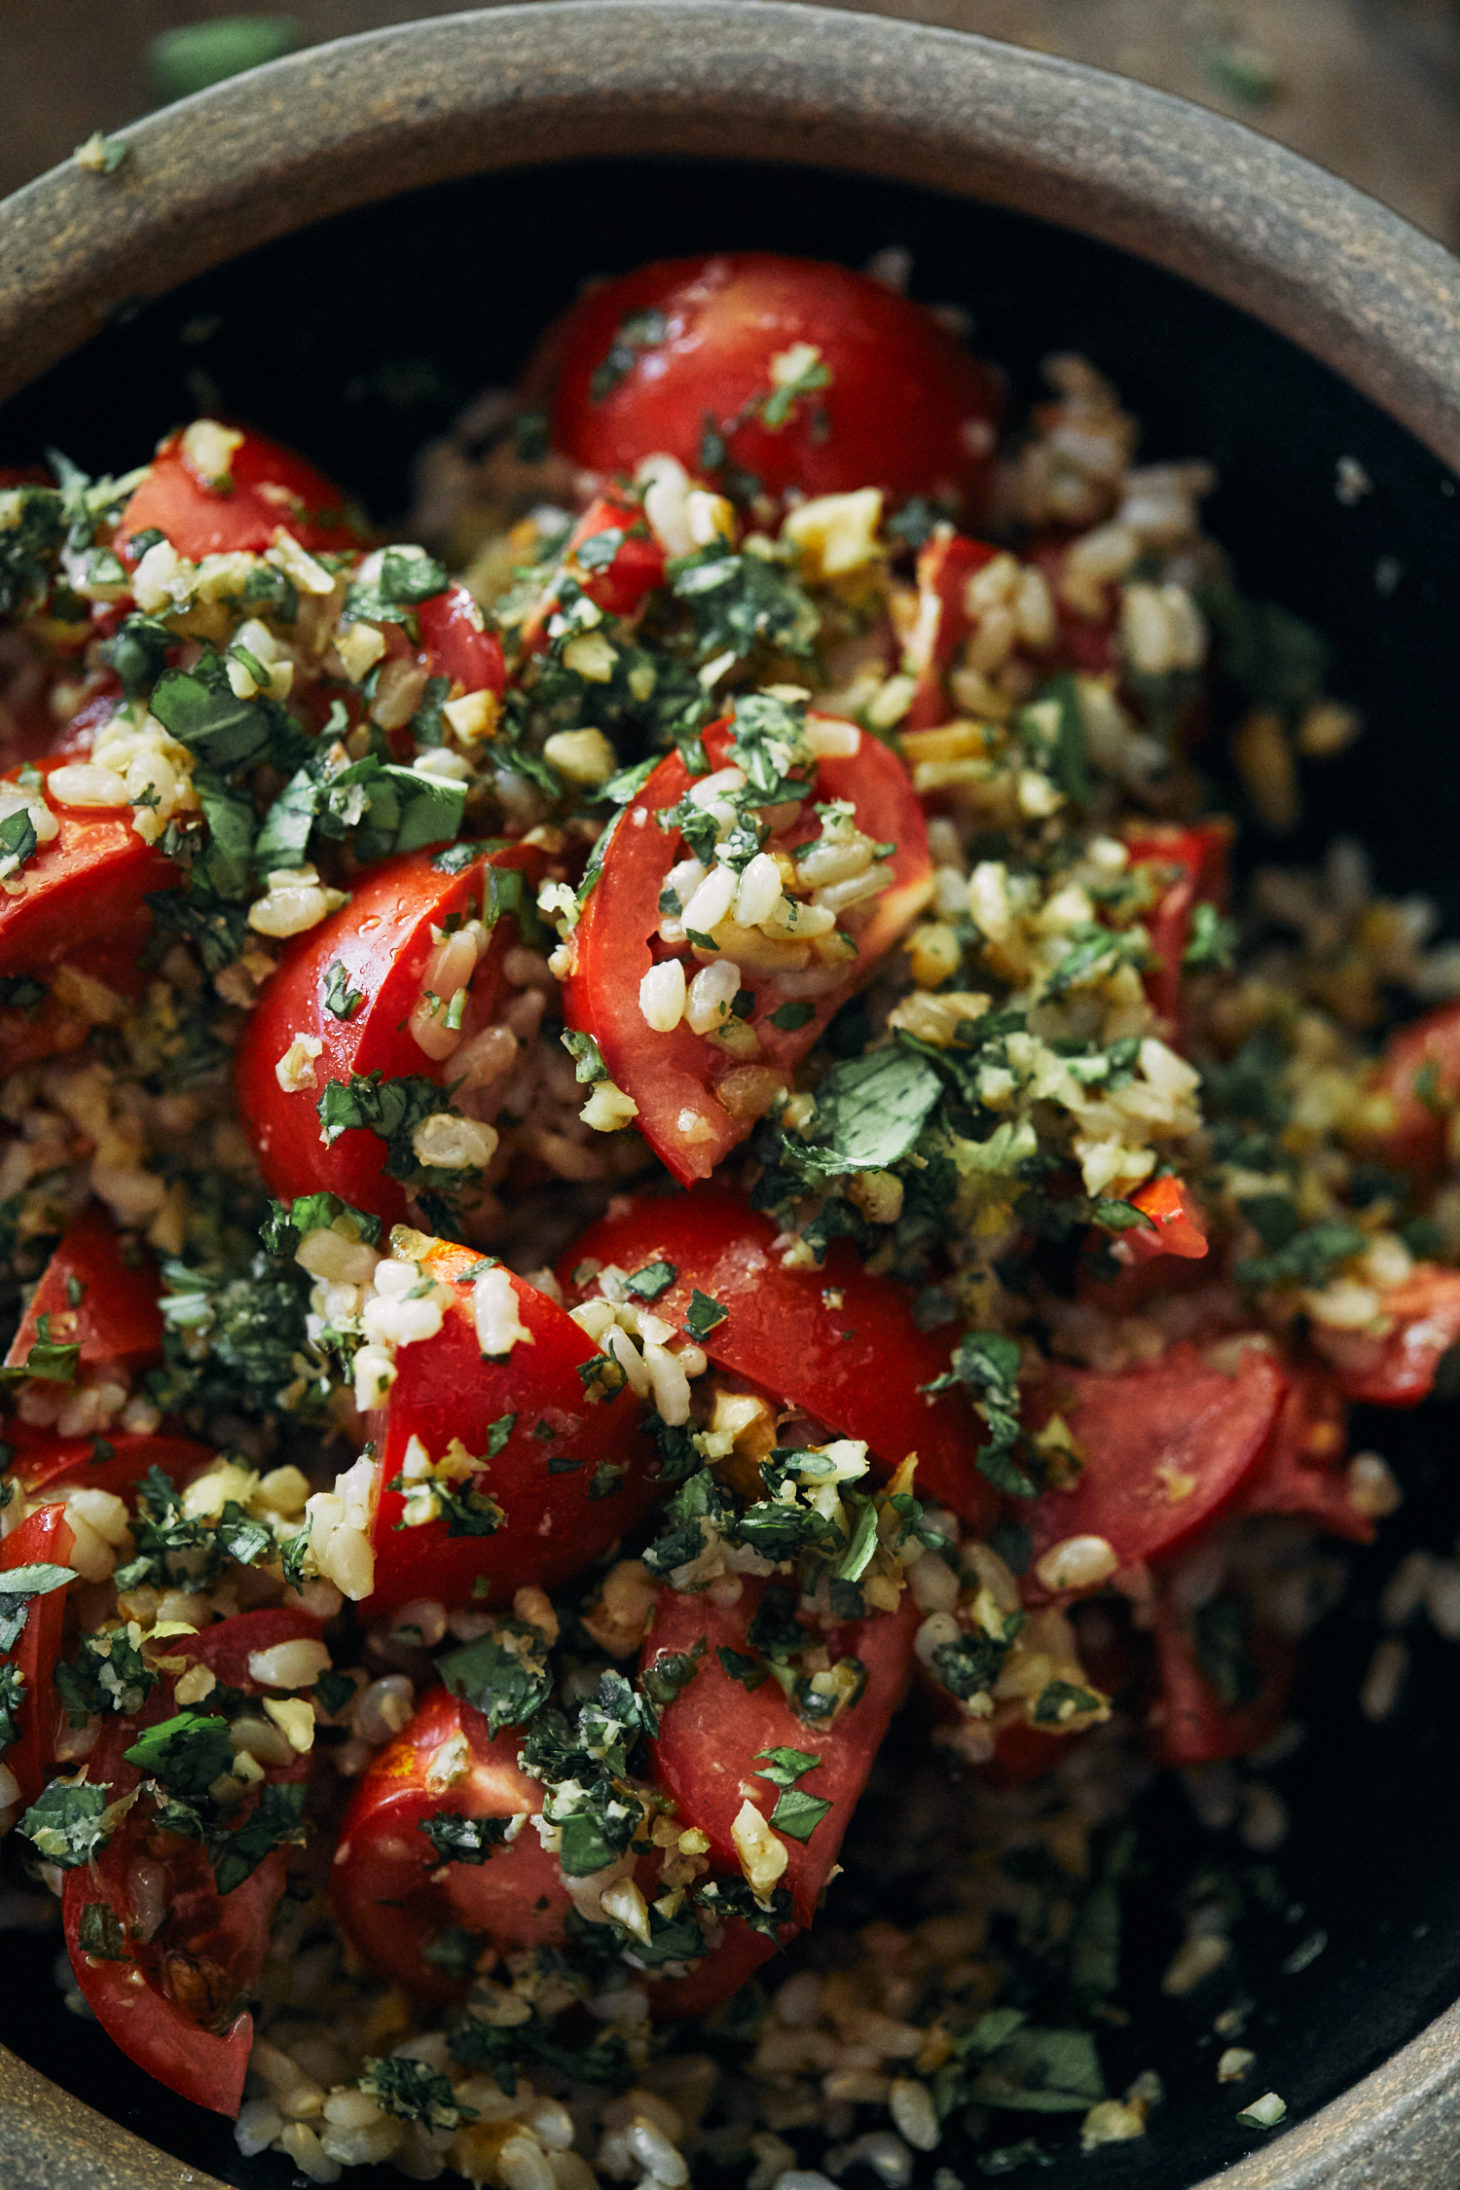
(703, 1315)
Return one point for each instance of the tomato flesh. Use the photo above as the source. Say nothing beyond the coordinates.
(1420, 1074)
(94, 1296)
(172, 2003)
(381, 941)
(1303, 1467)
(42, 1539)
(676, 1077)
(1399, 1368)
(619, 587)
(838, 1341)
(649, 361)
(455, 642)
(268, 486)
(1177, 1225)
(86, 889)
(1165, 1447)
(1196, 1722)
(945, 565)
(712, 1734)
(570, 1473)
(1198, 856)
(393, 1894)
(51, 1464)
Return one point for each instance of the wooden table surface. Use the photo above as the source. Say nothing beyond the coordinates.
(1370, 88)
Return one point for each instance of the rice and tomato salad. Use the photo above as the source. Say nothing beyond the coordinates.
(649, 1169)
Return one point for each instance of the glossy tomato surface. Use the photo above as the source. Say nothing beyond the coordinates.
(396, 1896)
(838, 1341)
(567, 1470)
(265, 486)
(375, 949)
(1164, 1447)
(677, 1078)
(644, 365)
(714, 1732)
(175, 1998)
(98, 1294)
(86, 890)
(945, 565)
(1191, 870)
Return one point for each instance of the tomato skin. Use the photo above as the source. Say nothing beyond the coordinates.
(393, 1895)
(1302, 1468)
(554, 1526)
(712, 1981)
(271, 486)
(1180, 1415)
(116, 1321)
(859, 1367)
(945, 564)
(672, 1077)
(1399, 1369)
(907, 408)
(1199, 855)
(1194, 1724)
(214, 1939)
(42, 1539)
(1177, 1226)
(52, 1464)
(456, 643)
(620, 588)
(383, 940)
(89, 886)
(1418, 1138)
(712, 1733)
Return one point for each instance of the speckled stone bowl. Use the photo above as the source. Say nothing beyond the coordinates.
(345, 245)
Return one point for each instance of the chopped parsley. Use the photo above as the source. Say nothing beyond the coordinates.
(503, 1674)
(459, 1839)
(412, 2092)
(703, 1315)
(66, 1822)
(18, 1589)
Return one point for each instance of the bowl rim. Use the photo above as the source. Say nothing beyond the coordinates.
(347, 124)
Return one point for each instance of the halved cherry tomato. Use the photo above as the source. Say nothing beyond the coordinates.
(87, 887)
(267, 486)
(570, 1472)
(647, 363)
(711, 1982)
(945, 565)
(618, 587)
(174, 2003)
(1398, 1368)
(677, 1078)
(1302, 1468)
(839, 1342)
(1197, 857)
(712, 1735)
(97, 1296)
(1164, 1447)
(375, 948)
(395, 1896)
(1420, 1073)
(1197, 1722)
(42, 1539)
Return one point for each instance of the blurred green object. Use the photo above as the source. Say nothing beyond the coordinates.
(195, 55)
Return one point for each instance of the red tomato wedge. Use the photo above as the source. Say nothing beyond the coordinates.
(646, 363)
(1197, 860)
(46, 1465)
(42, 1539)
(712, 1735)
(1202, 1718)
(570, 1473)
(1177, 1228)
(87, 887)
(1398, 1368)
(1165, 1447)
(456, 643)
(619, 586)
(1303, 1467)
(376, 948)
(393, 1893)
(266, 486)
(174, 2002)
(714, 1980)
(945, 565)
(1420, 1073)
(97, 1295)
(839, 1342)
(678, 1078)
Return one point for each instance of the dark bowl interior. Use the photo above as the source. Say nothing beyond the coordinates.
(358, 339)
